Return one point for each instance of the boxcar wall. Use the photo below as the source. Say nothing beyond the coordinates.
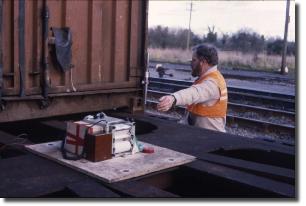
(64, 56)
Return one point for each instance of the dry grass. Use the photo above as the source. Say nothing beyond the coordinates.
(170, 55)
(226, 58)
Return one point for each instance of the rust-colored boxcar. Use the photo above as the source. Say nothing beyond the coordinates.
(107, 53)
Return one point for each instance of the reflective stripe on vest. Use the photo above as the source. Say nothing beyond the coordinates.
(220, 107)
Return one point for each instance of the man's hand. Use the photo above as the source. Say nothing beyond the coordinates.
(165, 103)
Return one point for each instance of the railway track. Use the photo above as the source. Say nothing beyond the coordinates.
(248, 111)
(269, 119)
(230, 73)
(285, 133)
(253, 97)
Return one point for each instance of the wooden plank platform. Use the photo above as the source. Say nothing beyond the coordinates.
(119, 168)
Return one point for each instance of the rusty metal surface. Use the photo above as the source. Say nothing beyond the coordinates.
(63, 105)
(108, 46)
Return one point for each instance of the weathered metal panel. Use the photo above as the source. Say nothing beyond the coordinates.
(108, 46)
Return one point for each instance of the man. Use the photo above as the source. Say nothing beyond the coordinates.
(206, 99)
(160, 70)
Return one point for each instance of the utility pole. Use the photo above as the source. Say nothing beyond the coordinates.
(188, 36)
(284, 53)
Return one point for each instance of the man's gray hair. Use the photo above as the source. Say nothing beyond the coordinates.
(207, 52)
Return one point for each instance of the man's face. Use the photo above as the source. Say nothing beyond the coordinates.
(195, 65)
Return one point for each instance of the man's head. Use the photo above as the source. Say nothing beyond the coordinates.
(204, 56)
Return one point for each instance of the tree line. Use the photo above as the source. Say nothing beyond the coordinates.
(244, 40)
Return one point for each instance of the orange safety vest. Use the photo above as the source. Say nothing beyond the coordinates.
(217, 110)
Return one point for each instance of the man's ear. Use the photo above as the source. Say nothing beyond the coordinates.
(202, 62)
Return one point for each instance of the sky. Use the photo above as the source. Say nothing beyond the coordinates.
(264, 17)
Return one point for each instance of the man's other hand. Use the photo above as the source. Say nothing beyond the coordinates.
(165, 103)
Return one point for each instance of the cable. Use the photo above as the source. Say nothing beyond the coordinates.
(21, 143)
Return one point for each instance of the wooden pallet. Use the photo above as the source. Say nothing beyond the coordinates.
(119, 168)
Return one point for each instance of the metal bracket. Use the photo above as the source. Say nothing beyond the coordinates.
(44, 103)
(136, 104)
(2, 105)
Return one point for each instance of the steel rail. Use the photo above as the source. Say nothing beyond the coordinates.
(230, 88)
(242, 109)
(264, 113)
(282, 130)
(271, 100)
